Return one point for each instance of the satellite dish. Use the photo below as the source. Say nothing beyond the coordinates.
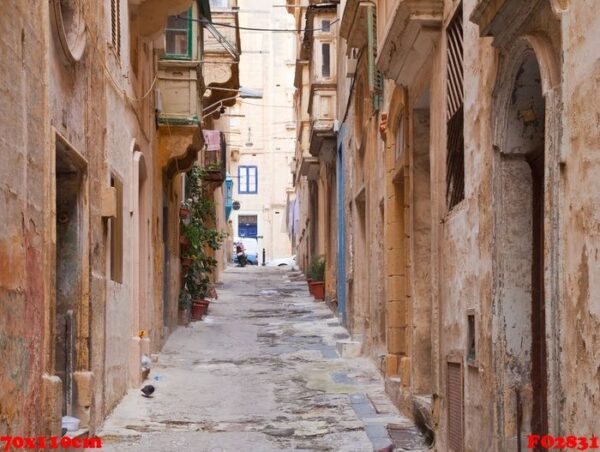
(236, 205)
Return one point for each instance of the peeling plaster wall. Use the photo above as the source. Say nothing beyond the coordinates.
(580, 220)
(45, 95)
(23, 190)
(462, 241)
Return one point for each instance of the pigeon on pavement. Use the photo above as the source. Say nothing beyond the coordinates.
(147, 390)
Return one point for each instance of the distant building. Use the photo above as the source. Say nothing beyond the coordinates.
(262, 129)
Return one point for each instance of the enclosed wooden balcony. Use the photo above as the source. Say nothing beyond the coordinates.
(221, 57)
(322, 112)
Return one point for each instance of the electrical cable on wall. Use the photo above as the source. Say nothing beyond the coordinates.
(274, 30)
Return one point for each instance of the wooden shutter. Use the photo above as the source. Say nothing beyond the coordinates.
(454, 397)
(375, 76)
(455, 144)
(115, 20)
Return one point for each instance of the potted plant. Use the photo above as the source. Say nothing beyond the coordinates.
(184, 210)
(184, 309)
(316, 272)
(196, 282)
(203, 240)
(186, 262)
(184, 242)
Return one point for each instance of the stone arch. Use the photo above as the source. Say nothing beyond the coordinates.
(525, 160)
(141, 310)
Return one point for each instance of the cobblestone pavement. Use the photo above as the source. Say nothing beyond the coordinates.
(259, 373)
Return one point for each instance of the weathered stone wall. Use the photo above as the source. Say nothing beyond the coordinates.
(24, 283)
(579, 318)
(462, 240)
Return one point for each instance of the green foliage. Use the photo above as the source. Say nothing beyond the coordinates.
(202, 237)
(185, 301)
(316, 269)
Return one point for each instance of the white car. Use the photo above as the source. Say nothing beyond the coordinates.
(289, 262)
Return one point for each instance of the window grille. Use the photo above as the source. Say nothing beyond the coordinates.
(455, 144)
(115, 17)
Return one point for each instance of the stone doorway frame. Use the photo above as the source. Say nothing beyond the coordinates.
(511, 60)
(82, 376)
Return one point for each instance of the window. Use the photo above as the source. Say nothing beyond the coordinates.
(115, 22)
(116, 234)
(219, 3)
(455, 144)
(326, 26)
(178, 36)
(247, 180)
(471, 344)
(400, 138)
(326, 63)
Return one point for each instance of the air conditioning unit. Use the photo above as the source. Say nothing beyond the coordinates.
(351, 63)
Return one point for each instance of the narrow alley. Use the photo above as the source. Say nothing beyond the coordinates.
(342, 225)
(260, 372)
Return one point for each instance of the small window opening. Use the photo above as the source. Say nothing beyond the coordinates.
(471, 345)
(116, 234)
(326, 68)
(326, 26)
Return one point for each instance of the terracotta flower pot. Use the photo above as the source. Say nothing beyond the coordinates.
(184, 213)
(198, 310)
(318, 289)
(308, 281)
(186, 262)
(184, 243)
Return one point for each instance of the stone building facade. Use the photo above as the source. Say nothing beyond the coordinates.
(262, 131)
(90, 191)
(468, 137)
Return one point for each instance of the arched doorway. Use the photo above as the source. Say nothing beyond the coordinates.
(520, 288)
(141, 321)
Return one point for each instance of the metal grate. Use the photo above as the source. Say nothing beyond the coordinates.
(115, 17)
(454, 395)
(455, 145)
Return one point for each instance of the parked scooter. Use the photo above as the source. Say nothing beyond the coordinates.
(242, 258)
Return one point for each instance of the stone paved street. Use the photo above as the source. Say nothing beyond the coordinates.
(260, 373)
